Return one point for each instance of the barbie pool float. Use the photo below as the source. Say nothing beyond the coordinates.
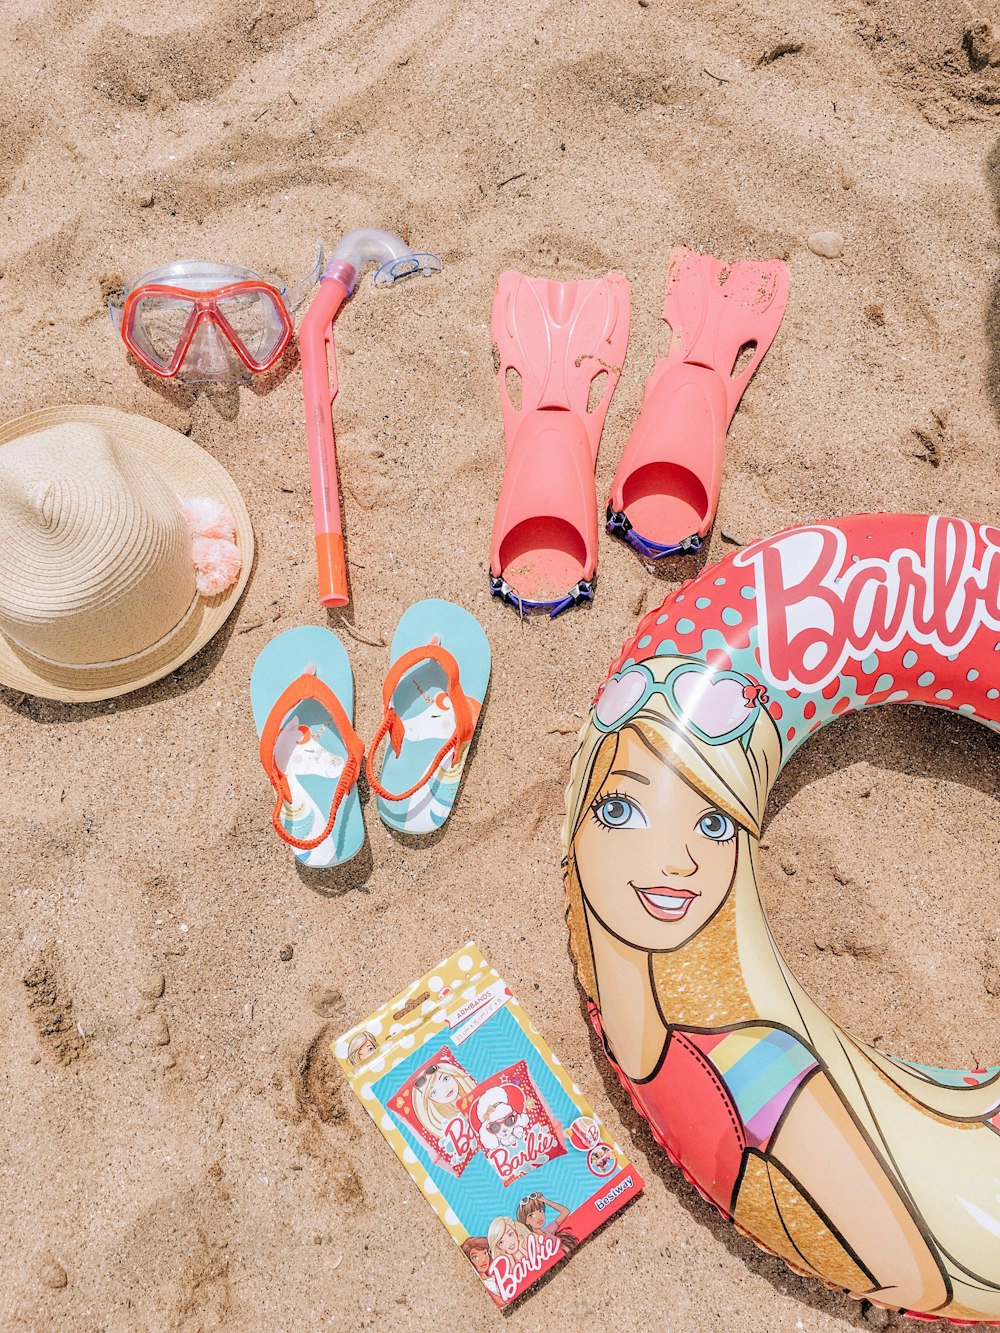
(867, 1171)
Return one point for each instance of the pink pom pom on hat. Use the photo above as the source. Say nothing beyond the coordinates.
(217, 564)
(209, 518)
(217, 559)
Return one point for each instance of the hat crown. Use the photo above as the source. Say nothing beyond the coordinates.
(95, 553)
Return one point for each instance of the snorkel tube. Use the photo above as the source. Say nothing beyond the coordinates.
(396, 260)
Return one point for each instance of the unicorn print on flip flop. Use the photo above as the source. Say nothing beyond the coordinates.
(300, 755)
(432, 696)
(429, 808)
(436, 722)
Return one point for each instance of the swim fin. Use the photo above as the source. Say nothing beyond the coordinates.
(554, 340)
(666, 489)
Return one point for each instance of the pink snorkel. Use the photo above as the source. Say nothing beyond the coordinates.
(319, 382)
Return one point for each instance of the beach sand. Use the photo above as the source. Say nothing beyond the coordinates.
(177, 1148)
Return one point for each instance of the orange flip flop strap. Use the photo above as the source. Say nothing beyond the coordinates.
(308, 686)
(463, 708)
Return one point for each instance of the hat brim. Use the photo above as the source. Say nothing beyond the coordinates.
(191, 472)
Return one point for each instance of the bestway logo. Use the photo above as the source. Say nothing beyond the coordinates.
(612, 1194)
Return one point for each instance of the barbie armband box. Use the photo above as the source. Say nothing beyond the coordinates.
(488, 1123)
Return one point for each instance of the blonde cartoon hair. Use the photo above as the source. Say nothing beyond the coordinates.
(735, 776)
(435, 1115)
(497, 1228)
(929, 1134)
(358, 1042)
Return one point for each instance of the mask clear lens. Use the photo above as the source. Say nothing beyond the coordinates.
(255, 320)
(158, 325)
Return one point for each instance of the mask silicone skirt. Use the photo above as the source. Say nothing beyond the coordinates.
(869, 1172)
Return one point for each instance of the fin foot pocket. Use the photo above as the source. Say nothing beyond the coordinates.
(542, 557)
(618, 525)
(663, 500)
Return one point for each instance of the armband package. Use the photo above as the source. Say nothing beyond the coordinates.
(495, 1133)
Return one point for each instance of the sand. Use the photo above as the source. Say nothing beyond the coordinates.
(177, 1149)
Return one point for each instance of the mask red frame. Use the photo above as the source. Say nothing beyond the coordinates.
(205, 309)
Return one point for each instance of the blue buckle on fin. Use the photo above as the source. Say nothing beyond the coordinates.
(581, 592)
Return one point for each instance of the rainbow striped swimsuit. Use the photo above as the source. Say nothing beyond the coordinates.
(762, 1067)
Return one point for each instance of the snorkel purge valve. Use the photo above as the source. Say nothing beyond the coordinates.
(319, 382)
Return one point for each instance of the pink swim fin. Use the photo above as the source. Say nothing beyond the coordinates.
(665, 492)
(554, 340)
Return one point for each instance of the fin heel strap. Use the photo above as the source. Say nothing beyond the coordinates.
(465, 716)
(308, 686)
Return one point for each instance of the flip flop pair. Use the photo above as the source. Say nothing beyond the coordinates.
(560, 350)
(302, 694)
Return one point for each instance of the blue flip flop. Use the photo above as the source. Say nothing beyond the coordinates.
(433, 694)
(302, 694)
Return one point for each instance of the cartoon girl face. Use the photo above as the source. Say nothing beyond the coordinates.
(536, 1220)
(438, 1085)
(365, 1047)
(443, 1088)
(480, 1261)
(654, 881)
(510, 1241)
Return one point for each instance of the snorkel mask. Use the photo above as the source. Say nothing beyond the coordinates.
(203, 322)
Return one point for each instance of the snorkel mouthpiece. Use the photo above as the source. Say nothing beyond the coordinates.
(393, 269)
(370, 245)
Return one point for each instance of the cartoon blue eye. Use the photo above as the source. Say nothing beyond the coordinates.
(617, 811)
(716, 826)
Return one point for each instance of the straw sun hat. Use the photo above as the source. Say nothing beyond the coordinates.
(97, 583)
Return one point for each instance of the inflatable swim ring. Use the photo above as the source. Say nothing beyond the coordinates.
(869, 1172)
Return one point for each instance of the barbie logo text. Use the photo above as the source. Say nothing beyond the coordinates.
(815, 614)
(510, 1273)
(456, 1140)
(530, 1150)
